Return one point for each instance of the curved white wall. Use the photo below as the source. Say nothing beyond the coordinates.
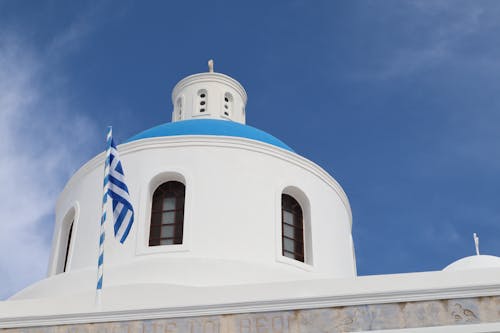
(232, 225)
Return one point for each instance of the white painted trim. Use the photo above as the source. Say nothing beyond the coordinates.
(308, 264)
(159, 177)
(55, 260)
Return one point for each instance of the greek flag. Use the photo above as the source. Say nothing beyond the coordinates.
(123, 212)
(114, 187)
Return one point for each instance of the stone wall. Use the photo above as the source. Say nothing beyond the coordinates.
(335, 319)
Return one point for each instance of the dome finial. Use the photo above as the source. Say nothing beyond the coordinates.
(476, 242)
(211, 65)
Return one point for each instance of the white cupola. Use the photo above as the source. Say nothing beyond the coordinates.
(209, 96)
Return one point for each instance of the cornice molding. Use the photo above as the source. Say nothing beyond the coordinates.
(252, 307)
(209, 77)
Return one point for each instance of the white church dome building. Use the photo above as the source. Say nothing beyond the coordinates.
(217, 202)
(233, 232)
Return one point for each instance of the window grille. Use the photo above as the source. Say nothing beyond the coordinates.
(292, 228)
(167, 214)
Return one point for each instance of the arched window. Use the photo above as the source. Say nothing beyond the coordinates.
(68, 243)
(167, 214)
(292, 228)
(67, 231)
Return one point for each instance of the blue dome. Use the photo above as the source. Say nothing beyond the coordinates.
(210, 127)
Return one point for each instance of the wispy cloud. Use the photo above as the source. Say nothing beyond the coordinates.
(432, 33)
(43, 139)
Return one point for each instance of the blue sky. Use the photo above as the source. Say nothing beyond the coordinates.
(398, 100)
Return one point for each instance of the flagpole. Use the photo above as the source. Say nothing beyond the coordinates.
(100, 261)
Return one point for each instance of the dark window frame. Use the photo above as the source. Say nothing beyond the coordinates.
(291, 205)
(177, 191)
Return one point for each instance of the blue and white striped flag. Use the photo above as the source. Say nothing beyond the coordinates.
(123, 212)
(115, 187)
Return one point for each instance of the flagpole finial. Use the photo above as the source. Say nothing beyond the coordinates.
(211, 65)
(476, 242)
